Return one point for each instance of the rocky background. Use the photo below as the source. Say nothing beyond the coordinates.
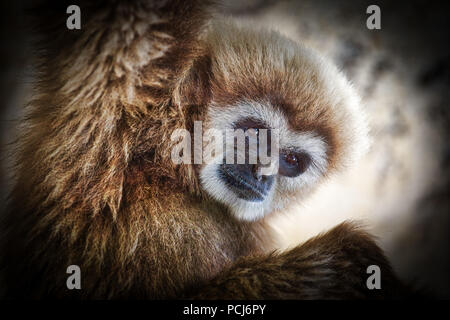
(400, 190)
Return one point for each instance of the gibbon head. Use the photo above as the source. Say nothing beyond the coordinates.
(261, 80)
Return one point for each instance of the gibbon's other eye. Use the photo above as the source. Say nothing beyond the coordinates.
(292, 164)
(247, 124)
(291, 159)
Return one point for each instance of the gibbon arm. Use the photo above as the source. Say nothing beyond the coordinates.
(329, 266)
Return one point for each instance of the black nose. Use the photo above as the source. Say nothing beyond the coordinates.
(246, 181)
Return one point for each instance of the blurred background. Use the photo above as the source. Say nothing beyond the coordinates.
(401, 189)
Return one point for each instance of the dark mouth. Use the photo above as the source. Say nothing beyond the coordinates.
(243, 186)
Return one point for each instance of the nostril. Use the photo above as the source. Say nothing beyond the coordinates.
(256, 174)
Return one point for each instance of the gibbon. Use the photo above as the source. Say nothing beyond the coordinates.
(95, 185)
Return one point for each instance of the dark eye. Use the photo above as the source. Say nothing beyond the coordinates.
(292, 164)
(291, 159)
(248, 123)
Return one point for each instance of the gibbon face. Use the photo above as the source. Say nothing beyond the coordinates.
(263, 82)
(248, 190)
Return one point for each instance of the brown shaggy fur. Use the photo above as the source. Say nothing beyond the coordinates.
(95, 185)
